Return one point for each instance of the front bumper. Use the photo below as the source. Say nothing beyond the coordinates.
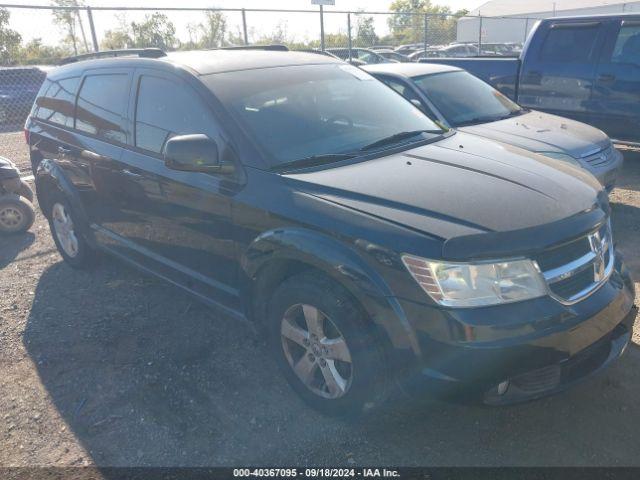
(558, 377)
(539, 347)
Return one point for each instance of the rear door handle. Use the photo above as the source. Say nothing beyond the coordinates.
(63, 151)
(606, 78)
(131, 174)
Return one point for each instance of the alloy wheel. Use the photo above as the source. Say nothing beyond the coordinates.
(64, 229)
(317, 351)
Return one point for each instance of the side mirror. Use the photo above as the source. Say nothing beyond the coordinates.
(194, 153)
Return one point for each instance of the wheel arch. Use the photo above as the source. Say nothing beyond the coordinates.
(277, 255)
(51, 180)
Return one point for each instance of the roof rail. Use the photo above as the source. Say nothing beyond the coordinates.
(275, 48)
(140, 52)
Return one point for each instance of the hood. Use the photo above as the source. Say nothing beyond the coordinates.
(542, 132)
(461, 185)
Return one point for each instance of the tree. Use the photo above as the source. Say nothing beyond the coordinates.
(279, 36)
(365, 31)
(119, 37)
(407, 24)
(9, 40)
(66, 19)
(155, 31)
(213, 30)
(35, 52)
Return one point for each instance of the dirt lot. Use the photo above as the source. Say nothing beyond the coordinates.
(116, 368)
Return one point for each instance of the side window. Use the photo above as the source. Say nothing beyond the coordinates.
(627, 49)
(569, 44)
(102, 106)
(56, 104)
(409, 94)
(165, 109)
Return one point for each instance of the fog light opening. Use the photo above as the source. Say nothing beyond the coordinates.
(502, 387)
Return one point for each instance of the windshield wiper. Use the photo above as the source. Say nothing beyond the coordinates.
(315, 160)
(390, 140)
(476, 120)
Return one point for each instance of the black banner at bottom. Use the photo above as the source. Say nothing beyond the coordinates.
(215, 473)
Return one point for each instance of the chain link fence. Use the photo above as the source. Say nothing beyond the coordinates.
(33, 38)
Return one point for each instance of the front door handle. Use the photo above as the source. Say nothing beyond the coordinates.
(131, 174)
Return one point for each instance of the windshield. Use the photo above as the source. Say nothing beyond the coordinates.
(298, 112)
(462, 98)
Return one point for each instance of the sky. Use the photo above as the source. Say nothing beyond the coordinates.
(301, 26)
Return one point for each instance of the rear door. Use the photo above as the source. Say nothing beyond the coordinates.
(102, 128)
(616, 93)
(560, 66)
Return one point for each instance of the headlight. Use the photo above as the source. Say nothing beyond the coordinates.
(561, 156)
(476, 284)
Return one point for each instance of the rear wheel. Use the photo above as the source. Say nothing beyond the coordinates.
(16, 214)
(324, 345)
(67, 234)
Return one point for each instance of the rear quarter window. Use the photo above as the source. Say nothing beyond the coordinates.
(56, 101)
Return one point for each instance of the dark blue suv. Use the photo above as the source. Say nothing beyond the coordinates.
(370, 245)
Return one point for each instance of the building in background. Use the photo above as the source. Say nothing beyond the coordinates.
(511, 20)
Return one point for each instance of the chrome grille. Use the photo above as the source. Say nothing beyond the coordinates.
(601, 158)
(576, 269)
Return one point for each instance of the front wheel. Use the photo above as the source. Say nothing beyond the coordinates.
(324, 345)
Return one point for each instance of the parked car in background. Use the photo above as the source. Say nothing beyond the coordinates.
(371, 245)
(18, 89)
(362, 54)
(459, 100)
(354, 61)
(409, 48)
(455, 50)
(586, 68)
(391, 55)
(430, 52)
(500, 49)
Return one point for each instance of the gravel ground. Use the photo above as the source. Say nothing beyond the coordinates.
(113, 368)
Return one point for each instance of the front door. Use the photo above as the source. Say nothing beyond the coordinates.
(616, 93)
(187, 232)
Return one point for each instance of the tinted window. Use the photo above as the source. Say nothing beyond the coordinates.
(102, 106)
(462, 98)
(57, 101)
(408, 93)
(627, 49)
(300, 111)
(569, 44)
(164, 110)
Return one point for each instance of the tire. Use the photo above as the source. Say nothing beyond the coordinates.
(74, 248)
(25, 191)
(16, 214)
(339, 381)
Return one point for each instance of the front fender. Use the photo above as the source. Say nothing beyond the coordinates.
(341, 262)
